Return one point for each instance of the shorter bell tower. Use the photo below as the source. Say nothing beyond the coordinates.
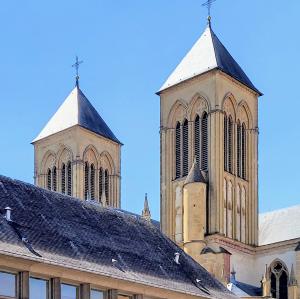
(77, 154)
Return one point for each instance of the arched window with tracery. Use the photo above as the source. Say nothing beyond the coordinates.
(49, 179)
(69, 179)
(185, 148)
(243, 152)
(279, 280)
(178, 150)
(63, 178)
(86, 180)
(197, 138)
(204, 141)
(92, 182)
(100, 183)
(54, 179)
(106, 186)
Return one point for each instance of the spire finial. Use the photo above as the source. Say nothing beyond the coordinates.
(146, 214)
(76, 66)
(208, 4)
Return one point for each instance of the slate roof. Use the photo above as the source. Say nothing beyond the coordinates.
(208, 54)
(274, 227)
(53, 228)
(77, 110)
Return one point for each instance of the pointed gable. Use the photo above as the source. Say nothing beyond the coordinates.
(207, 54)
(77, 110)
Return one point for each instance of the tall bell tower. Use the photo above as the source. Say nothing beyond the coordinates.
(209, 112)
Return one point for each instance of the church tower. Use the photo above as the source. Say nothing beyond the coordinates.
(209, 112)
(77, 154)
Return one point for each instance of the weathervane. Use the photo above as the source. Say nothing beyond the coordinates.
(208, 4)
(76, 66)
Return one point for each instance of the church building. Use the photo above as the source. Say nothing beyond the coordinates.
(66, 237)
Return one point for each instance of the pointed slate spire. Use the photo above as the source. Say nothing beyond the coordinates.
(207, 54)
(293, 280)
(195, 175)
(146, 214)
(77, 110)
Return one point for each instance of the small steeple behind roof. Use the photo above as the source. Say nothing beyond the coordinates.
(146, 214)
(195, 175)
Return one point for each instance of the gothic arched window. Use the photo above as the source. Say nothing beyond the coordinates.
(243, 152)
(54, 179)
(92, 181)
(100, 183)
(239, 150)
(49, 179)
(230, 142)
(178, 150)
(197, 138)
(204, 141)
(279, 280)
(225, 142)
(63, 178)
(69, 179)
(185, 149)
(86, 180)
(106, 186)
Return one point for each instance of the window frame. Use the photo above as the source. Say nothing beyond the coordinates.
(77, 286)
(49, 291)
(16, 275)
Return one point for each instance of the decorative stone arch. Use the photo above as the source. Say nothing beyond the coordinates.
(91, 155)
(198, 105)
(106, 162)
(177, 113)
(49, 161)
(244, 114)
(64, 155)
(279, 277)
(229, 106)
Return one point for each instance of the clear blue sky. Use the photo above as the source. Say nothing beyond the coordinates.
(129, 48)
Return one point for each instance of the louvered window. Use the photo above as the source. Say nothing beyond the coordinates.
(197, 138)
(225, 143)
(244, 152)
(185, 150)
(86, 180)
(54, 179)
(106, 185)
(49, 179)
(100, 183)
(92, 183)
(230, 139)
(204, 141)
(63, 179)
(239, 148)
(178, 150)
(69, 178)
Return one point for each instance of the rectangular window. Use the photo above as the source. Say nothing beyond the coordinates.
(69, 291)
(38, 288)
(97, 294)
(8, 285)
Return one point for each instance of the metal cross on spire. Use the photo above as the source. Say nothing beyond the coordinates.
(76, 66)
(208, 4)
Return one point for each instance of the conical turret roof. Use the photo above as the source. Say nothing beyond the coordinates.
(195, 175)
(208, 54)
(77, 110)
